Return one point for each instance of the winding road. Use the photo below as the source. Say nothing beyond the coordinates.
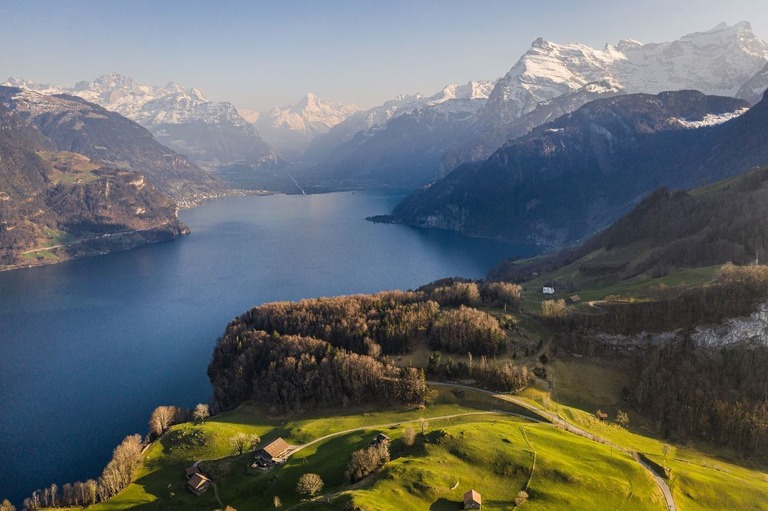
(558, 421)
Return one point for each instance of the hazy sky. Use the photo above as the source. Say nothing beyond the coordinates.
(257, 54)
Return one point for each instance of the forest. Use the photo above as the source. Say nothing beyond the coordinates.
(717, 395)
(335, 351)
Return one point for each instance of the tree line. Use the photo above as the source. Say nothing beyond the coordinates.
(116, 475)
(500, 376)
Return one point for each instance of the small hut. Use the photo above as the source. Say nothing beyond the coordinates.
(573, 300)
(473, 500)
(274, 452)
(198, 484)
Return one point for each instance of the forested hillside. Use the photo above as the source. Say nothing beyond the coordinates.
(336, 350)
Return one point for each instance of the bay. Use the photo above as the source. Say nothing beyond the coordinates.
(89, 348)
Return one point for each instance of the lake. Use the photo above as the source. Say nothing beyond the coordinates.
(89, 348)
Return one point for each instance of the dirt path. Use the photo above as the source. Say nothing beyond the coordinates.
(557, 421)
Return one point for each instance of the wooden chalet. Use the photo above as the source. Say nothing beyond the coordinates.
(573, 300)
(473, 500)
(198, 484)
(274, 452)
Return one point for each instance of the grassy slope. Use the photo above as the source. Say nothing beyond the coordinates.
(491, 453)
(702, 477)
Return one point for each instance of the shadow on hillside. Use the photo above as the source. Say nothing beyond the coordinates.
(443, 504)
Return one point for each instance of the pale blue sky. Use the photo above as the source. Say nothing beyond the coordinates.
(258, 54)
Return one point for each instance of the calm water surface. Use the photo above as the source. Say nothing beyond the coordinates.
(89, 348)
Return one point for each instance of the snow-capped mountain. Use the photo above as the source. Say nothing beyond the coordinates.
(452, 99)
(718, 61)
(552, 79)
(212, 133)
(291, 128)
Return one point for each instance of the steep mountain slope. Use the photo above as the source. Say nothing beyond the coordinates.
(73, 124)
(483, 144)
(727, 221)
(59, 205)
(211, 133)
(290, 129)
(719, 61)
(580, 172)
(753, 90)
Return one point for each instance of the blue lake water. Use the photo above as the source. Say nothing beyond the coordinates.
(89, 348)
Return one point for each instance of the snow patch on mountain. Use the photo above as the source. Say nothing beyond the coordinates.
(710, 119)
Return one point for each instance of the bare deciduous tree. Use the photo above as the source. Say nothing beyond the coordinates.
(409, 435)
(239, 441)
(161, 419)
(309, 485)
(202, 412)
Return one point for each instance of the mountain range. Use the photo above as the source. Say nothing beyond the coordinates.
(210, 133)
(549, 80)
(579, 173)
(397, 144)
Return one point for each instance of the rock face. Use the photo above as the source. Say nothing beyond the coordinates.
(58, 205)
(73, 124)
(212, 133)
(290, 129)
(752, 329)
(579, 173)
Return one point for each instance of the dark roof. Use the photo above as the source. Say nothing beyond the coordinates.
(276, 447)
(198, 482)
(472, 496)
(192, 471)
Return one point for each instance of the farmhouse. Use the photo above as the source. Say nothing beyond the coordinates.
(198, 484)
(274, 452)
(473, 500)
(189, 472)
(548, 290)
